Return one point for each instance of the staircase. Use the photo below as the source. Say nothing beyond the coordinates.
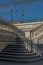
(18, 53)
(21, 51)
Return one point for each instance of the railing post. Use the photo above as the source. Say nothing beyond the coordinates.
(31, 41)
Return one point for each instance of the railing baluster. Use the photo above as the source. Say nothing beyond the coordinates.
(35, 32)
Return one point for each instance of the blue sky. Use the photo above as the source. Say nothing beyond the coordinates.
(32, 11)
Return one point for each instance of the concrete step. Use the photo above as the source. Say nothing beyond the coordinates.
(21, 60)
(16, 45)
(18, 57)
(13, 48)
(17, 51)
(16, 54)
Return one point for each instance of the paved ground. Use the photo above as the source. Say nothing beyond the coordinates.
(13, 63)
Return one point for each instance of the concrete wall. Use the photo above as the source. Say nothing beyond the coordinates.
(4, 45)
(4, 27)
(28, 26)
(27, 34)
(6, 39)
(6, 36)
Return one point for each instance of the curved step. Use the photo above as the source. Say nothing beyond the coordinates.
(17, 51)
(19, 57)
(21, 60)
(16, 54)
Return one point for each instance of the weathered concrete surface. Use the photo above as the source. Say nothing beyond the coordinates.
(4, 27)
(27, 26)
(2, 45)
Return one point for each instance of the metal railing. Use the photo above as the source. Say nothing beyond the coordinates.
(29, 45)
(35, 32)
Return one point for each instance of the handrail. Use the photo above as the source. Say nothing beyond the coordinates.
(37, 27)
(36, 31)
(38, 42)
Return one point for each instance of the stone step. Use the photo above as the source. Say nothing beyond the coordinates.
(17, 51)
(18, 57)
(16, 54)
(21, 60)
(14, 48)
(16, 45)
